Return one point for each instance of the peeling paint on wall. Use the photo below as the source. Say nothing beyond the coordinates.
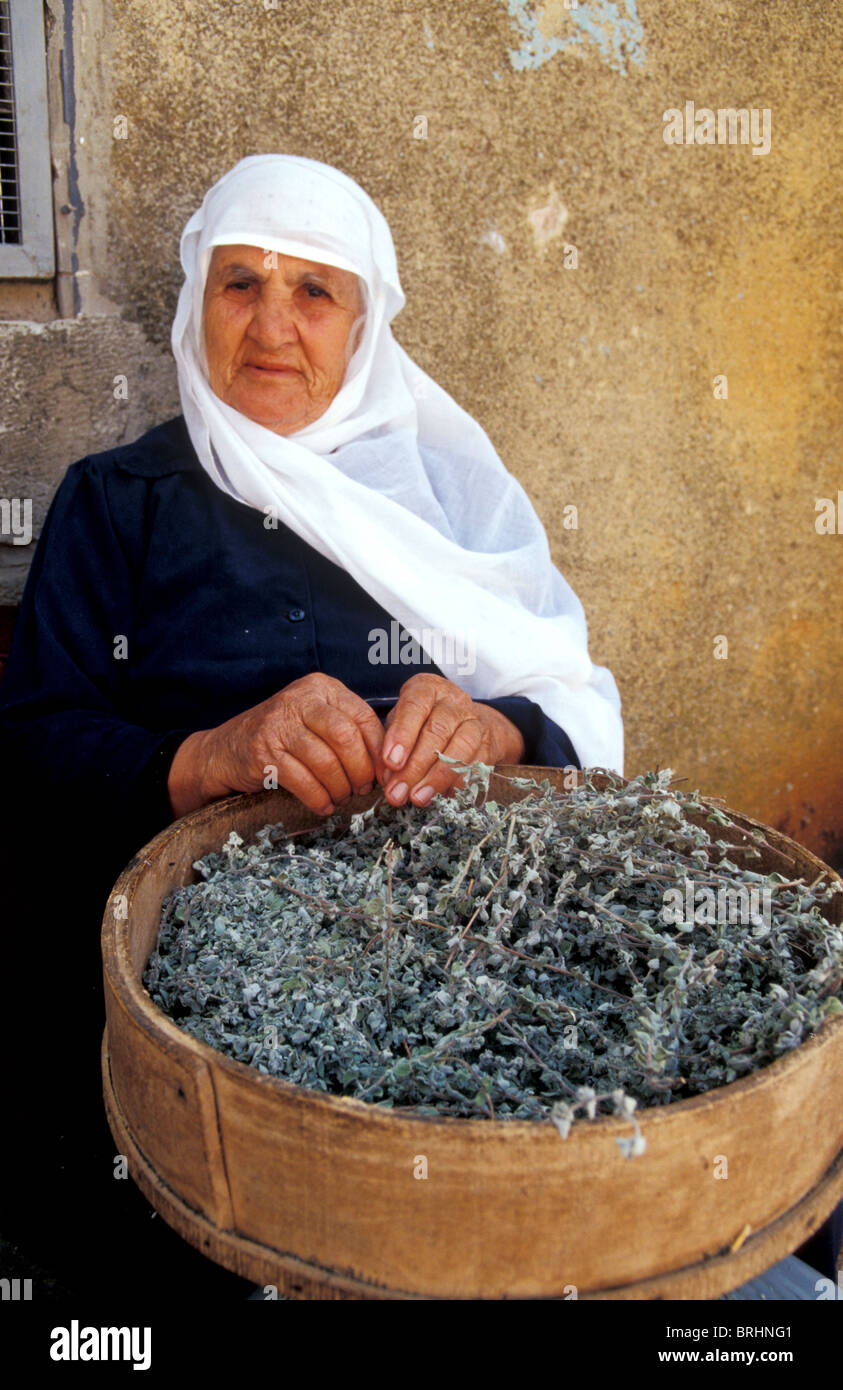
(493, 238)
(564, 25)
(549, 220)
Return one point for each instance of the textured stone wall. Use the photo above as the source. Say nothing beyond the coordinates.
(504, 142)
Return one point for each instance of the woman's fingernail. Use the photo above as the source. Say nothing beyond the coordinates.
(364, 791)
(397, 792)
(396, 755)
(423, 796)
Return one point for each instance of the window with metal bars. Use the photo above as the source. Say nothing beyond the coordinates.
(9, 185)
(26, 204)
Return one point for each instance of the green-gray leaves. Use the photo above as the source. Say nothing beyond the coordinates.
(478, 959)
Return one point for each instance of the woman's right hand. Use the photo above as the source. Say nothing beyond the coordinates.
(319, 740)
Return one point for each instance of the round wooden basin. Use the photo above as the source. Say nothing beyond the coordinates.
(322, 1196)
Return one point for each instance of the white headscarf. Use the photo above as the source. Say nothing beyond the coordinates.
(394, 482)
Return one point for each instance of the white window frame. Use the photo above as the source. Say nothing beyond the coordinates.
(34, 257)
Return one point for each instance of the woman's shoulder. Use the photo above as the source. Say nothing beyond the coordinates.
(163, 450)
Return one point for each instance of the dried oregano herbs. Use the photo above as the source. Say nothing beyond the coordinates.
(519, 961)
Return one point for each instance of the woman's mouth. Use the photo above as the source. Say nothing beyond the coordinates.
(268, 369)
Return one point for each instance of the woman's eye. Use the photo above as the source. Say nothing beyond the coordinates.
(316, 292)
(239, 285)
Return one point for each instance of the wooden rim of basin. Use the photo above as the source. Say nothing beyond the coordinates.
(222, 1120)
(296, 1279)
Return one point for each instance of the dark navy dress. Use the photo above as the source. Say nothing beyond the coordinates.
(157, 605)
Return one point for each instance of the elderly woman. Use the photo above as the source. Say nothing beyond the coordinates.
(233, 601)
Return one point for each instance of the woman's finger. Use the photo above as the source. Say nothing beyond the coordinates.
(297, 778)
(354, 734)
(372, 732)
(447, 731)
(416, 702)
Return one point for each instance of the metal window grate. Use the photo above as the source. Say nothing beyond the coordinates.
(10, 202)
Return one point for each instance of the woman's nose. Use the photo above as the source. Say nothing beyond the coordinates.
(273, 322)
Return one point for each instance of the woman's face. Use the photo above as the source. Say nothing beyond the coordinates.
(278, 334)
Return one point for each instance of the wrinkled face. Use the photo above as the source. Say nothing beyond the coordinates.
(278, 334)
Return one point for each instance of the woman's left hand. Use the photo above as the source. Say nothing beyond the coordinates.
(433, 715)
